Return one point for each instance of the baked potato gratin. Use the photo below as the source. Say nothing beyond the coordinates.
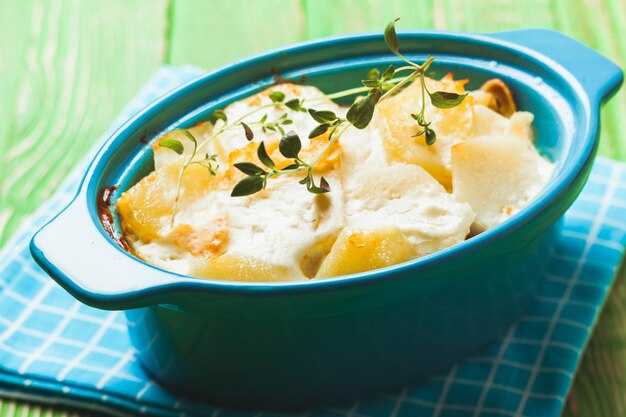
(394, 197)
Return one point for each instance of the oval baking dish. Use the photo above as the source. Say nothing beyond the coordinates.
(279, 345)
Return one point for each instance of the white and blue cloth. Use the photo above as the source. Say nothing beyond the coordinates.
(54, 349)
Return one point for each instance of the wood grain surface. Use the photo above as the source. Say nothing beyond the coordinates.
(69, 66)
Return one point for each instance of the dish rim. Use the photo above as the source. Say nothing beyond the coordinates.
(550, 195)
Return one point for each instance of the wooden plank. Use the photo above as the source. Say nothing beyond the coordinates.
(493, 16)
(68, 68)
(334, 17)
(605, 32)
(13, 38)
(9, 408)
(600, 386)
(211, 34)
(28, 410)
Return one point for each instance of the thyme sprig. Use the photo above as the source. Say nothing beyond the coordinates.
(360, 114)
(265, 125)
(256, 178)
(226, 126)
(209, 162)
(440, 99)
(376, 88)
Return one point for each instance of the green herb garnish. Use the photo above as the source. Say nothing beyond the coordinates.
(440, 99)
(375, 89)
(256, 177)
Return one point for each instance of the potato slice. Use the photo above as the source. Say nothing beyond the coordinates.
(358, 250)
(399, 128)
(313, 256)
(497, 176)
(235, 268)
(400, 146)
(146, 208)
(488, 122)
(142, 209)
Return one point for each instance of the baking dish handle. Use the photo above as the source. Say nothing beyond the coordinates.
(599, 77)
(71, 248)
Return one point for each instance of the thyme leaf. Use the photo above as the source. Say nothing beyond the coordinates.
(431, 136)
(248, 132)
(277, 97)
(249, 185)
(173, 145)
(249, 168)
(361, 112)
(296, 105)
(264, 157)
(391, 38)
(323, 116)
(445, 100)
(319, 130)
(220, 115)
(290, 145)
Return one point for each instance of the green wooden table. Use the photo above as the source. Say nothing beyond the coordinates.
(68, 67)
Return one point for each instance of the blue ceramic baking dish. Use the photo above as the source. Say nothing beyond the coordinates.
(277, 345)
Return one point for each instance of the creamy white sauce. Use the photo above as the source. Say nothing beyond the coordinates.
(282, 224)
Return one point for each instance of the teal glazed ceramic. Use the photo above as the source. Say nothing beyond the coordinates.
(277, 345)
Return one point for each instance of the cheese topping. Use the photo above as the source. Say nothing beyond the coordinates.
(393, 197)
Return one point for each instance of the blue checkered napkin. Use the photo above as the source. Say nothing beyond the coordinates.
(54, 349)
